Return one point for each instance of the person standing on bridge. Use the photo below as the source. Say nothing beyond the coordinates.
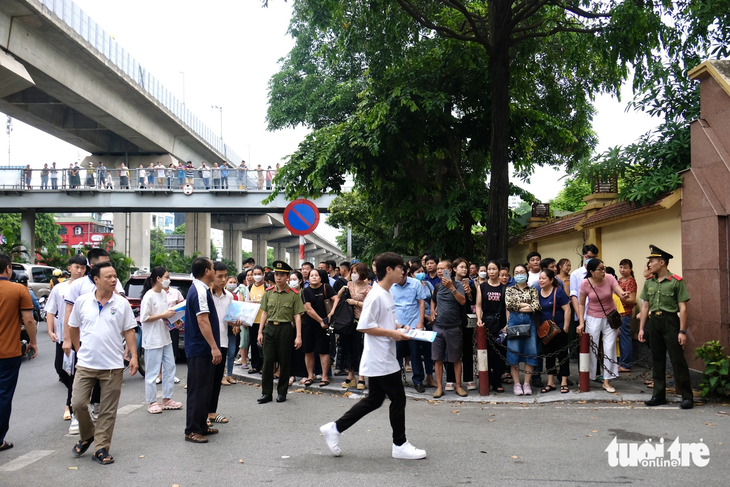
(44, 177)
(269, 177)
(141, 176)
(160, 175)
(54, 176)
(151, 176)
(190, 174)
(241, 174)
(123, 177)
(224, 176)
(90, 176)
(216, 176)
(205, 174)
(28, 175)
(260, 173)
(102, 174)
(74, 181)
(180, 174)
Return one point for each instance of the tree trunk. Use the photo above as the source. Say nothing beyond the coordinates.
(499, 68)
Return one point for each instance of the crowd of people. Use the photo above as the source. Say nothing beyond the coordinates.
(153, 176)
(346, 320)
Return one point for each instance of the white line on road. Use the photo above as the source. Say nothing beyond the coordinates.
(128, 408)
(25, 460)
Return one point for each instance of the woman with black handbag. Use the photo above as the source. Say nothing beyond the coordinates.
(522, 302)
(492, 313)
(555, 316)
(600, 316)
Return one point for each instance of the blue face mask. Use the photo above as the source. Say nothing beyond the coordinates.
(587, 260)
(420, 276)
(520, 278)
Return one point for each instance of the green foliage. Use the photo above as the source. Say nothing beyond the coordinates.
(172, 260)
(213, 251)
(13, 247)
(232, 269)
(716, 377)
(53, 258)
(269, 257)
(522, 208)
(570, 198)
(46, 229)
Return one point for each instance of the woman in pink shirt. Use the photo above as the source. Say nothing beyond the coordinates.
(598, 287)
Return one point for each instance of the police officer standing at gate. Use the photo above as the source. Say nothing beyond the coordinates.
(281, 309)
(664, 295)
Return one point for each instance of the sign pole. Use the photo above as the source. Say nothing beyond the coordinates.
(301, 250)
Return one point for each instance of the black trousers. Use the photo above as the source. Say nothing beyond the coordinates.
(560, 341)
(663, 339)
(200, 385)
(218, 372)
(175, 336)
(257, 357)
(66, 379)
(387, 385)
(496, 363)
(467, 358)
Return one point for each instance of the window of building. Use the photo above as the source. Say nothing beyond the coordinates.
(62, 230)
(78, 230)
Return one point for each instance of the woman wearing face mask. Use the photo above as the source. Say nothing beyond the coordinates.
(349, 347)
(156, 341)
(174, 297)
(240, 293)
(315, 323)
(492, 313)
(417, 271)
(522, 301)
(483, 276)
(599, 287)
(461, 271)
(256, 292)
(298, 367)
(233, 331)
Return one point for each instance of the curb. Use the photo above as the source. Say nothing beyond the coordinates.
(573, 397)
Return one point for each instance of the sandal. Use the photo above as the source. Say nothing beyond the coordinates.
(324, 383)
(219, 418)
(308, 382)
(102, 456)
(7, 446)
(210, 431)
(154, 408)
(547, 388)
(81, 446)
(564, 389)
(361, 385)
(172, 405)
(292, 379)
(196, 438)
(231, 380)
(498, 389)
(649, 384)
(67, 414)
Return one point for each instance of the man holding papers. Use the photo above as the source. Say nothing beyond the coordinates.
(379, 363)
(410, 297)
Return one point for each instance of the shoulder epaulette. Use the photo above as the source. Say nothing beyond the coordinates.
(269, 288)
(679, 278)
(294, 291)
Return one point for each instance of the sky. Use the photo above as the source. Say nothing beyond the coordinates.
(228, 50)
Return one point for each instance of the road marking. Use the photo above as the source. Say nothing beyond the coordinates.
(128, 408)
(25, 460)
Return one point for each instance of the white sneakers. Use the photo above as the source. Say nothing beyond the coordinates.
(73, 428)
(332, 437)
(408, 452)
(404, 452)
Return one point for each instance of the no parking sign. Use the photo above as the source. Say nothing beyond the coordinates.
(301, 217)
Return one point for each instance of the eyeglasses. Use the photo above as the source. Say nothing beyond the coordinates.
(601, 269)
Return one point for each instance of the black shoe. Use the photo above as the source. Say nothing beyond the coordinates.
(420, 388)
(253, 371)
(340, 373)
(536, 381)
(655, 401)
(687, 404)
(280, 398)
(264, 399)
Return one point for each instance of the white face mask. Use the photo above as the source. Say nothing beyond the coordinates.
(294, 283)
(232, 287)
(483, 275)
(165, 283)
(355, 277)
(258, 278)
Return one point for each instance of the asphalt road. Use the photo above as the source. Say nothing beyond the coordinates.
(468, 443)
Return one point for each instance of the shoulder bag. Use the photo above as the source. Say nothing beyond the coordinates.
(548, 329)
(519, 331)
(614, 317)
(343, 319)
(327, 300)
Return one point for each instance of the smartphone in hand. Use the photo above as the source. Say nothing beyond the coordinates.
(447, 274)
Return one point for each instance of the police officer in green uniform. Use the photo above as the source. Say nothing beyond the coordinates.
(664, 296)
(281, 308)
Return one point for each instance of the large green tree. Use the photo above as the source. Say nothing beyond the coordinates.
(403, 112)
(46, 229)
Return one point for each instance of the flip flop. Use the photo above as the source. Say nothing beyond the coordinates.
(564, 389)
(219, 418)
(291, 380)
(308, 382)
(547, 388)
(7, 446)
(324, 383)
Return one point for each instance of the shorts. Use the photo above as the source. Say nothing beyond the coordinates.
(315, 339)
(160, 181)
(189, 180)
(448, 345)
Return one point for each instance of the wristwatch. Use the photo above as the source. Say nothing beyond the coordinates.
(683, 332)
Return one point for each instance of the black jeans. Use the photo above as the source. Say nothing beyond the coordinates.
(9, 370)
(257, 357)
(217, 378)
(387, 385)
(560, 341)
(200, 385)
(66, 379)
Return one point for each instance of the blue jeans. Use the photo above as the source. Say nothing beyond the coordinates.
(625, 343)
(231, 355)
(9, 369)
(420, 355)
(206, 182)
(153, 358)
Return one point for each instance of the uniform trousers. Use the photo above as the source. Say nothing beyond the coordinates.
(663, 338)
(278, 342)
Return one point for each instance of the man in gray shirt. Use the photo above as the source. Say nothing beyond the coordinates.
(446, 303)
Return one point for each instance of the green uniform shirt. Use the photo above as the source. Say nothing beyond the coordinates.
(665, 295)
(282, 305)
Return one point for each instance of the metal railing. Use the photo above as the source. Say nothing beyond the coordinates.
(136, 179)
(72, 15)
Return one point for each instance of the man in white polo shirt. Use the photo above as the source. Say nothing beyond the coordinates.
(97, 324)
(379, 363)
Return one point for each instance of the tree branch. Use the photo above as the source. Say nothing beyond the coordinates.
(535, 35)
(530, 8)
(585, 13)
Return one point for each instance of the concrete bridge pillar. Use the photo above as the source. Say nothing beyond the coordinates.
(27, 233)
(279, 251)
(232, 246)
(197, 234)
(132, 237)
(294, 257)
(258, 248)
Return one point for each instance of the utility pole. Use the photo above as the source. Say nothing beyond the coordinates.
(9, 130)
(221, 110)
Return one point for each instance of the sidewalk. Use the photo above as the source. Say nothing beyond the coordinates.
(629, 388)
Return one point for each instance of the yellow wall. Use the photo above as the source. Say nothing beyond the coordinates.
(568, 246)
(631, 239)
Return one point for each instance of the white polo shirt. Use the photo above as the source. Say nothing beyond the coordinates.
(222, 303)
(102, 330)
(84, 285)
(56, 306)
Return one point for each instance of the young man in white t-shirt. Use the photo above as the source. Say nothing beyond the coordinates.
(379, 363)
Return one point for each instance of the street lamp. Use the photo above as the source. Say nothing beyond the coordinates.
(221, 110)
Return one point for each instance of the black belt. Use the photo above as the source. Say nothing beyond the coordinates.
(278, 322)
(661, 313)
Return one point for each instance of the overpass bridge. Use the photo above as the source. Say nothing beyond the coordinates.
(62, 73)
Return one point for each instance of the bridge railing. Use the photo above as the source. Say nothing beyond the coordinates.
(72, 15)
(136, 179)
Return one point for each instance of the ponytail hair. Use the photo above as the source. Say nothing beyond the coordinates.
(157, 271)
(628, 263)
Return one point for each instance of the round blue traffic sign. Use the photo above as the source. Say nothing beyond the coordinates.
(301, 217)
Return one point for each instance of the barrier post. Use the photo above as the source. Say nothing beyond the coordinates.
(585, 362)
(482, 361)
